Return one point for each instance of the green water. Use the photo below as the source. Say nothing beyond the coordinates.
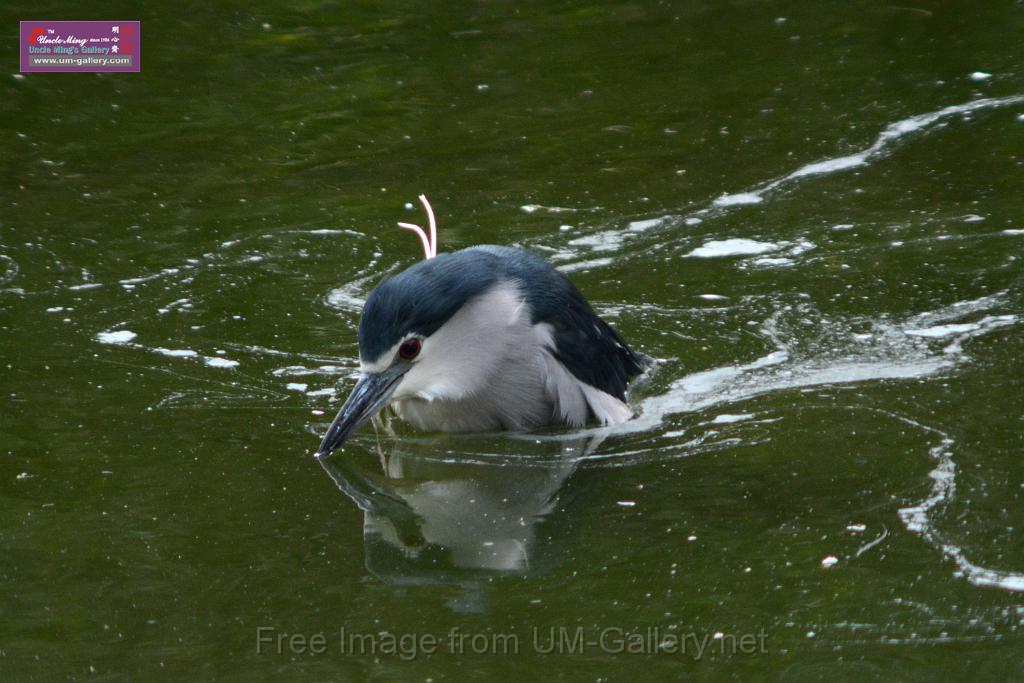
(853, 391)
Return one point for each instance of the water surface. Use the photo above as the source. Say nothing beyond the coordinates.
(810, 216)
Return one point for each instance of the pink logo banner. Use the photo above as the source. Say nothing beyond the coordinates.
(80, 46)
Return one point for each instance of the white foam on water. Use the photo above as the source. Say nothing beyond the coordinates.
(296, 386)
(889, 136)
(935, 325)
(726, 418)
(801, 246)
(585, 265)
(940, 331)
(178, 303)
(1013, 231)
(218, 362)
(738, 199)
(773, 262)
(919, 519)
(608, 240)
(744, 247)
(830, 166)
(333, 231)
(348, 297)
(175, 353)
(126, 337)
(891, 352)
(254, 348)
(534, 208)
(302, 370)
(115, 337)
(147, 278)
(351, 295)
(733, 247)
(611, 240)
(640, 226)
(291, 370)
(769, 374)
(556, 255)
(10, 269)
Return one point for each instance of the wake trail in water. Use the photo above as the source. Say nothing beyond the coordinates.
(920, 346)
(924, 345)
(576, 255)
(880, 148)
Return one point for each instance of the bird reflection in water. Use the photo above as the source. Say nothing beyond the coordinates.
(431, 517)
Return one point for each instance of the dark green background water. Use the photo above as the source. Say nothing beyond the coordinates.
(854, 391)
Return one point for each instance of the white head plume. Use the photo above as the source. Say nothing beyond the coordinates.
(429, 243)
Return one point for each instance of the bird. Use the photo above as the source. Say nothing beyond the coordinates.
(487, 338)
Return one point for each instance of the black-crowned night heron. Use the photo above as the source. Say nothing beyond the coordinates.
(487, 338)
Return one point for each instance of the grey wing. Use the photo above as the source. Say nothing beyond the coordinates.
(593, 350)
(586, 345)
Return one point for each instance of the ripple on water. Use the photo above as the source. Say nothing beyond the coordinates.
(883, 145)
(844, 354)
(917, 347)
(8, 271)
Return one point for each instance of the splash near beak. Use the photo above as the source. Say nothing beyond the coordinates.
(370, 394)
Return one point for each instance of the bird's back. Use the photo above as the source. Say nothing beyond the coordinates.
(590, 348)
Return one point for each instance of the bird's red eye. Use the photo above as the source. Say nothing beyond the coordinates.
(409, 349)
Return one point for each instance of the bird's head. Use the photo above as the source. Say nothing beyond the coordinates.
(433, 332)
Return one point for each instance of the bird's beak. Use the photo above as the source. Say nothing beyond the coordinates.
(370, 394)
